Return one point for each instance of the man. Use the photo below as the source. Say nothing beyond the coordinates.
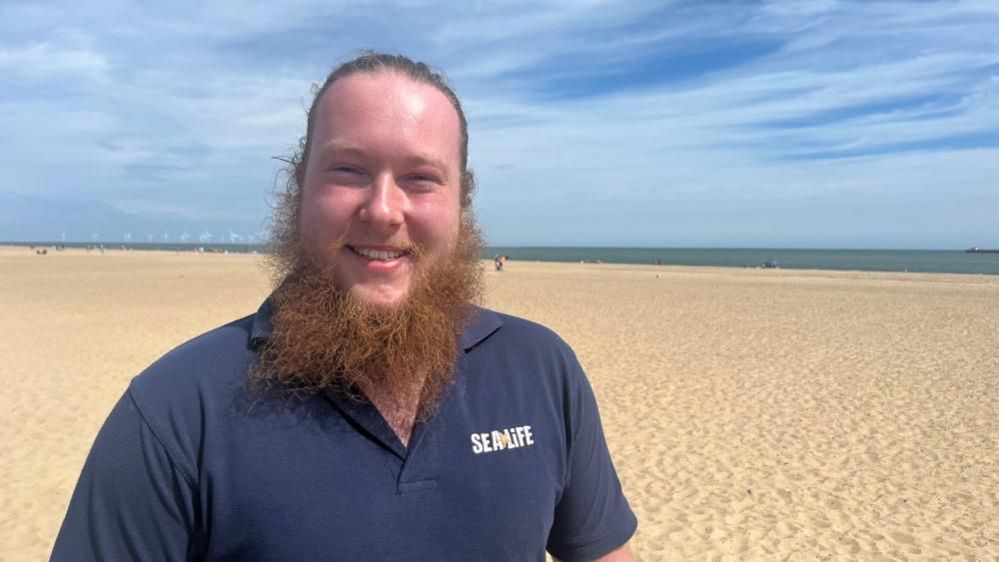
(368, 410)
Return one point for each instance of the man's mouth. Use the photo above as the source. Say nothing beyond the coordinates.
(378, 254)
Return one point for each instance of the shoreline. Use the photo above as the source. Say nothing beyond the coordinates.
(514, 263)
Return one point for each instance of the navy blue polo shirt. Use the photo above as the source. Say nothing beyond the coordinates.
(193, 465)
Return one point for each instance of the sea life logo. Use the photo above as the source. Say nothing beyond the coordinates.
(502, 439)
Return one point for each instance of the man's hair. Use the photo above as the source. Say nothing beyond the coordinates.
(285, 233)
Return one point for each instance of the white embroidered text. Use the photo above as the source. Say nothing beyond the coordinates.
(501, 439)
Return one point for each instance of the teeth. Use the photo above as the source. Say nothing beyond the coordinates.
(377, 254)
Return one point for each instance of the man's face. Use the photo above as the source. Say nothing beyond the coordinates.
(382, 179)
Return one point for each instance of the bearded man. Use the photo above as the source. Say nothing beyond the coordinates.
(369, 410)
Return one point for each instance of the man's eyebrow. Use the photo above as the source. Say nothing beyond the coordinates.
(337, 145)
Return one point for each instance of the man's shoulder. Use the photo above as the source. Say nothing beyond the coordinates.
(524, 352)
(221, 352)
(187, 391)
(199, 375)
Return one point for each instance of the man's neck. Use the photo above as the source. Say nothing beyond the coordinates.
(398, 407)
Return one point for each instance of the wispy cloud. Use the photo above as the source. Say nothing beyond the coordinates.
(39, 60)
(787, 122)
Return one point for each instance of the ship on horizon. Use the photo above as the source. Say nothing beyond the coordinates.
(980, 250)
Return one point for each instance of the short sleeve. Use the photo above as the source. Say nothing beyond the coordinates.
(131, 502)
(593, 517)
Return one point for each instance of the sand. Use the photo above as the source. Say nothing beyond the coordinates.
(752, 415)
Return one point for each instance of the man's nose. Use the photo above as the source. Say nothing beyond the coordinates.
(385, 204)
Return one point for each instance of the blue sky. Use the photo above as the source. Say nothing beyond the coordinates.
(815, 123)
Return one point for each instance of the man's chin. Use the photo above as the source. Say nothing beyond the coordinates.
(384, 299)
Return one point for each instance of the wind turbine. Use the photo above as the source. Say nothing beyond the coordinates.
(150, 236)
(94, 236)
(63, 236)
(185, 237)
(166, 237)
(127, 236)
(233, 237)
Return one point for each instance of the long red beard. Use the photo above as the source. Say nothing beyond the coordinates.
(324, 338)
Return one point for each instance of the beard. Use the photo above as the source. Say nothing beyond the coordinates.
(324, 338)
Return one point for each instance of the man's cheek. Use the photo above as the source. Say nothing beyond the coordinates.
(327, 253)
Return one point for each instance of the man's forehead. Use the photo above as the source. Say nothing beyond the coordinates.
(416, 98)
(384, 101)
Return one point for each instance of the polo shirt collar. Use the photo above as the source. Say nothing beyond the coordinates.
(484, 323)
(261, 328)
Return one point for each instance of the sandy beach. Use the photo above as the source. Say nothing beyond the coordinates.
(752, 414)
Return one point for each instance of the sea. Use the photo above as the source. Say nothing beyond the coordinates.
(921, 261)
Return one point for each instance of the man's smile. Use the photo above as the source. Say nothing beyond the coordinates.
(378, 254)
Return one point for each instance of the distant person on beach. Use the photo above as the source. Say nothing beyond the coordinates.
(368, 410)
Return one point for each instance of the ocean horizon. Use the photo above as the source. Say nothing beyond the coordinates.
(916, 261)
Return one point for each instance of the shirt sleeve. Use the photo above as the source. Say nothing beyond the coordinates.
(131, 502)
(593, 517)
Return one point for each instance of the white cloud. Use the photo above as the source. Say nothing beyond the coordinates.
(180, 107)
(43, 60)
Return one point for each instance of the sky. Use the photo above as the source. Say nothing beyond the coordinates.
(799, 124)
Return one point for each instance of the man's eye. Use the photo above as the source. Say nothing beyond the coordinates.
(344, 169)
(424, 179)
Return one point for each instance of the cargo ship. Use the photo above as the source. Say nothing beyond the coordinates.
(979, 250)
